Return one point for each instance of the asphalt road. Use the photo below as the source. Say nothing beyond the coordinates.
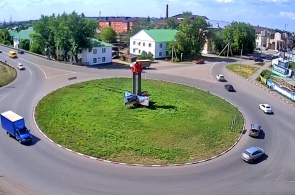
(44, 168)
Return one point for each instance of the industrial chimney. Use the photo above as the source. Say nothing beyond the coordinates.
(167, 11)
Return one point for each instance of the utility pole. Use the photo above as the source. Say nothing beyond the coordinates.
(241, 55)
(172, 52)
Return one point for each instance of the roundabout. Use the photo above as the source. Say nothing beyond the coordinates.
(43, 168)
(181, 124)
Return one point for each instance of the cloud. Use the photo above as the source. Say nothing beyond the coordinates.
(224, 1)
(274, 1)
(289, 15)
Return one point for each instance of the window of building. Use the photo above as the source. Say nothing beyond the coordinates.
(150, 45)
(167, 53)
(160, 53)
(103, 59)
(103, 50)
(160, 45)
(94, 60)
(143, 44)
(133, 42)
(139, 43)
(133, 50)
(94, 51)
(139, 51)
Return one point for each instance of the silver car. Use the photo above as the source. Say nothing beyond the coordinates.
(254, 130)
(252, 154)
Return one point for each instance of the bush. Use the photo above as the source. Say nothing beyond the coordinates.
(266, 74)
(176, 59)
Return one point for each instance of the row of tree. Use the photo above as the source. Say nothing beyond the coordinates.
(63, 35)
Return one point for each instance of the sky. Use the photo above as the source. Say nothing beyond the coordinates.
(275, 14)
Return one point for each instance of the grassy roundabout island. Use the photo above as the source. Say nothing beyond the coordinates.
(182, 124)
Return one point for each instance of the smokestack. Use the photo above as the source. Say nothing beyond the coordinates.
(167, 11)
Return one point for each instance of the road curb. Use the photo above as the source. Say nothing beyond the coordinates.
(266, 89)
(139, 165)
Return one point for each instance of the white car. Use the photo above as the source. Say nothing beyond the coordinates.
(20, 66)
(265, 108)
(220, 77)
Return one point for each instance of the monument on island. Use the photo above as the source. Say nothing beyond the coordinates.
(137, 97)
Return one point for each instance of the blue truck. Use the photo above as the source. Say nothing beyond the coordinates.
(14, 125)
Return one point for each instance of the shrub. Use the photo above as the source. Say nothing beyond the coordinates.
(266, 74)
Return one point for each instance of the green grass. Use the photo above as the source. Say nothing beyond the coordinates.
(243, 70)
(7, 74)
(182, 124)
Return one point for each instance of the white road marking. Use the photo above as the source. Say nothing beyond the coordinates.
(267, 175)
(3, 96)
(211, 71)
(62, 75)
(279, 175)
(39, 66)
(29, 70)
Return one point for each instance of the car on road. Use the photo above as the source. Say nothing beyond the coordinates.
(220, 77)
(229, 87)
(258, 59)
(20, 66)
(254, 130)
(0, 51)
(265, 108)
(251, 57)
(20, 51)
(253, 153)
(200, 61)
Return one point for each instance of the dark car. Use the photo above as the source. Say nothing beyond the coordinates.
(20, 51)
(0, 51)
(251, 57)
(258, 59)
(229, 87)
(254, 130)
(200, 61)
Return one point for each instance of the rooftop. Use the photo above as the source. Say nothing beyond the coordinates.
(97, 43)
(23, 34)
(161, 35)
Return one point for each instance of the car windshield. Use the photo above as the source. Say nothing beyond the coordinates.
(248, 153)
(22, 131)
(254, 130)
(267, 107)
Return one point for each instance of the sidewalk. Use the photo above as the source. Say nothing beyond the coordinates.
(258, 72)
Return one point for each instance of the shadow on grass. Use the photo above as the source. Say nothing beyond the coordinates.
(154, 106)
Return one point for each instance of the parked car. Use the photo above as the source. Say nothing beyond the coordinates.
(253, 153)
(262, 55)
(265, 108)
(20, 51)
(258, 59)
(0, 51)
(229, 87)
(251, 57)
(254, 130)
(20, 66)
(200, 61)
(220, 77)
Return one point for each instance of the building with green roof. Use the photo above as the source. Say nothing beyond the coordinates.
(101, 53)
(21, 35)
(152, 40)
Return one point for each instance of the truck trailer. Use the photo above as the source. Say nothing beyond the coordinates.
(14, 125)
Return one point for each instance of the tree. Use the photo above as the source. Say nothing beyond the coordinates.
(139, 25)
(25, 44)
(172, 23)
(5, 37)
(144, 55)
(191, 37)
(107, 34)
(241, 36)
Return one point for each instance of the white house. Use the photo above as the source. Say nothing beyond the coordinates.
(152, 40)
(101, 53)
